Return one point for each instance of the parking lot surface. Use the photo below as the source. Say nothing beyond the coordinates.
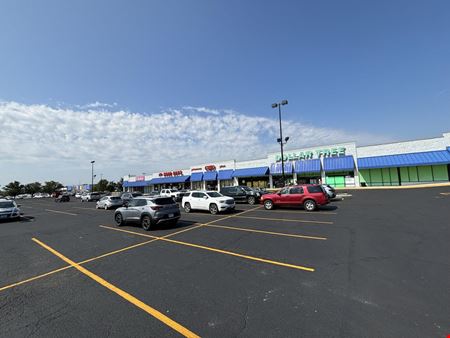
(375, 264)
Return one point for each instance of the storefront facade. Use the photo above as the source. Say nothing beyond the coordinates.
(340, 165)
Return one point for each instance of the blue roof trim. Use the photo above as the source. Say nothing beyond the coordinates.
(174, 179)
(136, 184)
(405, 160)
(196, 177)
(448, 149)
(210, 176)
(225, 174)
(341, 163)
(275, 168)
(307, 166)
(251, 172)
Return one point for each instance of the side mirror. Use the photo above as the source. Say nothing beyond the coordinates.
(126, 205)
(19, 205)
(279, 193)
(205, 197)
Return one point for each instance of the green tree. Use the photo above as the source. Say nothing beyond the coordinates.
(51, 186)
(13, 188)
(101, 185)
(111, 186)
(32, 188)
(119, 184)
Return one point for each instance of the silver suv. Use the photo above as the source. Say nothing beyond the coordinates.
(148, 211)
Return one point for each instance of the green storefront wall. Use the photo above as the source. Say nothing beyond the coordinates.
(417, 174)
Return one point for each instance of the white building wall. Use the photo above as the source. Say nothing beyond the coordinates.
(438, 143)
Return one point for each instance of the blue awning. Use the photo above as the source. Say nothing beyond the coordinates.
(196, 177)
(405, 160)
(225, 174)
(210, 176)
(275, 168)
(251, 172)
(136, 184)
(341, 163)
(307, 166)
(171, 179)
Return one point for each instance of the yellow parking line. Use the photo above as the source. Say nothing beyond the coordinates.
(125, 295)
(267, 232)
(91, 259)
(299, 267)
(303, 212)
(61, 212)
(285, 219)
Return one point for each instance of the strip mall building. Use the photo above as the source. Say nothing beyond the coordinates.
(340, 165)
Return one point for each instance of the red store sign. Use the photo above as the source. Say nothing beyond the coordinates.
(210, 167)
(171, 173)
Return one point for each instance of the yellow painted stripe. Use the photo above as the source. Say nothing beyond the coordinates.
(299, 267)
(312, 213)
(61, 212)
(267, 232)
(285, 220)
(6, 287)
(125, 295)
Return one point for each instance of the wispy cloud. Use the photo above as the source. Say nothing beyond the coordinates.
(55, 137)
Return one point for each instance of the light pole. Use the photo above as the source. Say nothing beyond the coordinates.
(280, 139)
(92, 176)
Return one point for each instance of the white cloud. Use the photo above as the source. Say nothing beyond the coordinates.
(44, 142)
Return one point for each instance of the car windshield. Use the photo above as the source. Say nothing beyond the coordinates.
(246, 188)
(6, 205)
(214, 194)
(115, 198)
(163, 201)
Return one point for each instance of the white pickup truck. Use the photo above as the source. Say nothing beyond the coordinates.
(175, 194)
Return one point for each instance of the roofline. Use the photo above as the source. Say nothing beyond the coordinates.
(409, 140)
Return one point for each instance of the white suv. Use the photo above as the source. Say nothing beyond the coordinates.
(207, 200)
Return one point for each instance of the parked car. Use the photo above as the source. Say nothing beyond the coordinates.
(62, 198)
(309, 196)
(109, 202)
(78, 195)
(207, 200)
(38, 195)
(174, 193)
(151, 193)
(9, 210)
(241, 193)
(329, 190)
(128, 196)
(148, 211)
(90, 197)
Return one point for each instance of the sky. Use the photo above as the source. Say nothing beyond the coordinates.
(143, 86)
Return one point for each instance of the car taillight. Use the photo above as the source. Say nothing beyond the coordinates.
(157, 207)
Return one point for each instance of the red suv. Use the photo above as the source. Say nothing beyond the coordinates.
(309, 195)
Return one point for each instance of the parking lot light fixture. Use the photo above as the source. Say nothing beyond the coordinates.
(280, 139)
(92, 176)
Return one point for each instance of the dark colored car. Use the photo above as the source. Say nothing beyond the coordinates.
(308, 196)
(128, 196)
(62, 198)
(241, 193)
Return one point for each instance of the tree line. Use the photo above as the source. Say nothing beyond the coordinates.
(16, 188)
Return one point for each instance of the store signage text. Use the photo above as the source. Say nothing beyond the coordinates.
(140, 178)
(307, 155)
(210, 167)
(171, 173)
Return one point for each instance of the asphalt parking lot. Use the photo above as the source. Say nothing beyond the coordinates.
(376, 264)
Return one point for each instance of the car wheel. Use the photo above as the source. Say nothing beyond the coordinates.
(187, 207)
(106, 207)
(213, 209)
(119, 219)
(146, 223)
(251, 200)
(309, 205)
(96, 206)
(268, 205)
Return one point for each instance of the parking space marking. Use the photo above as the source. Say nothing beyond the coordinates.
(91, 259)
(125, 295)
(304, 212)
(266, 232)
(298, 267)
(286, 219)
(61, 212)
(93, 209)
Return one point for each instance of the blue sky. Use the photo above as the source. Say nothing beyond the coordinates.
(379, 68)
